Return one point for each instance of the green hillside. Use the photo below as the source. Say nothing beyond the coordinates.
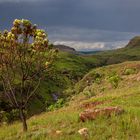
(129, 53)
(69, 68)
(77, 82)
(97, 89)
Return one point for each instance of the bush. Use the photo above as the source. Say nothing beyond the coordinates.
(114, 80)
(69, 92)
(8, 117)
(89, 91)
(96, 76)
(130, 71)
(89, 79)
(97, 80)
(57, 105)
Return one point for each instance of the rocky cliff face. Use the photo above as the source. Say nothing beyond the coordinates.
(65, 48)
(134, 42)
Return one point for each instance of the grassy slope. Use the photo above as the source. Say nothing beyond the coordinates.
(125, 126)
(69, 68)
(118, 56)
(129, 53)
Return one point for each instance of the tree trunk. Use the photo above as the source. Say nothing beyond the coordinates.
(23, 119)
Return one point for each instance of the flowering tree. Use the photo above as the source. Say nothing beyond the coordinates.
(24, 56)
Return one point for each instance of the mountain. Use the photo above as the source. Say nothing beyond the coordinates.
(65, 48)
(88, 52)
(133, 45)
(134, 42)
(130, 52)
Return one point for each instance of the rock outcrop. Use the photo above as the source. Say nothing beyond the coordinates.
(65, 48)
(84, 133)
(92, 114)
(134, 42)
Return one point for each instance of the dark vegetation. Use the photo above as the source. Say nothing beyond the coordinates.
(129, 53)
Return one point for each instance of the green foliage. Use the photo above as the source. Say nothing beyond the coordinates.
(88, 93)
(98, 79)
(8, 117)
(114, 80)
(89, 79)
(59, 103)
(69, 92)
(129, 71)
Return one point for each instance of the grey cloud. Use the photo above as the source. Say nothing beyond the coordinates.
(118, 15)
(20, 0)
(85, 39)
(90, 35)
(87, 21)
(86, 46)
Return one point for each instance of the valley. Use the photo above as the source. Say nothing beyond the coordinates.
(76, 83)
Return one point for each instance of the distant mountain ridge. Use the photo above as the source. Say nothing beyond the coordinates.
(65, 48)
(89, 52)
(134, 42)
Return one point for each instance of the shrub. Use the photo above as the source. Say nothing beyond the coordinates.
(129, 71)
(69, 92)
(8, 117)
(92, 77)
(57, 105)
(89, 91)
(114, 80)
(89, 94)
(97, 80)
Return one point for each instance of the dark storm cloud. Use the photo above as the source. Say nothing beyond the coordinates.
(110, 15)
(120, 15)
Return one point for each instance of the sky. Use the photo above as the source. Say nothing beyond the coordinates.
(82, 24)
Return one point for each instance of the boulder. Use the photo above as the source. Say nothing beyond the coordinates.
(92, 114)
(58, 132)
(83, 132)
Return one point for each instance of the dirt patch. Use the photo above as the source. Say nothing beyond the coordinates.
(91, 104)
